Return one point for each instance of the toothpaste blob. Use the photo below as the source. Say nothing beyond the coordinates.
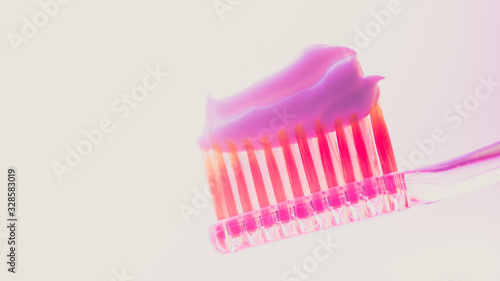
(325, 84)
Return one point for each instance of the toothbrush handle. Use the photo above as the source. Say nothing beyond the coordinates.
(472, 171)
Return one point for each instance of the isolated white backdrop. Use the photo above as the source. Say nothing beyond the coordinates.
(118, 211)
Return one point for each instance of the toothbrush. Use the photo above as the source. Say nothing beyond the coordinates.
(330, 162)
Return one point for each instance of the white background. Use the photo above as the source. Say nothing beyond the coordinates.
(119, 209)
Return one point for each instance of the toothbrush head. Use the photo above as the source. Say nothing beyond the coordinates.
(327, 163)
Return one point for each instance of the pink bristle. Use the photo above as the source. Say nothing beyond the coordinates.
(240, 178)
(257, 176)
(359, 142)
(345, 156)
(274, 173)
(326, 157)
(224, 181)
(293, 174)
(215, 188)
(307, 161)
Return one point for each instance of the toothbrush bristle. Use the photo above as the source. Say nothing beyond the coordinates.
(359, 142)
(345, 155)
(301, 183)
(326, 157)
(256, 175)
(274, 173)
(291, 167)
(307, 161)
(240, 179)
(215, 188)
(384, 146)
(224, 182)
